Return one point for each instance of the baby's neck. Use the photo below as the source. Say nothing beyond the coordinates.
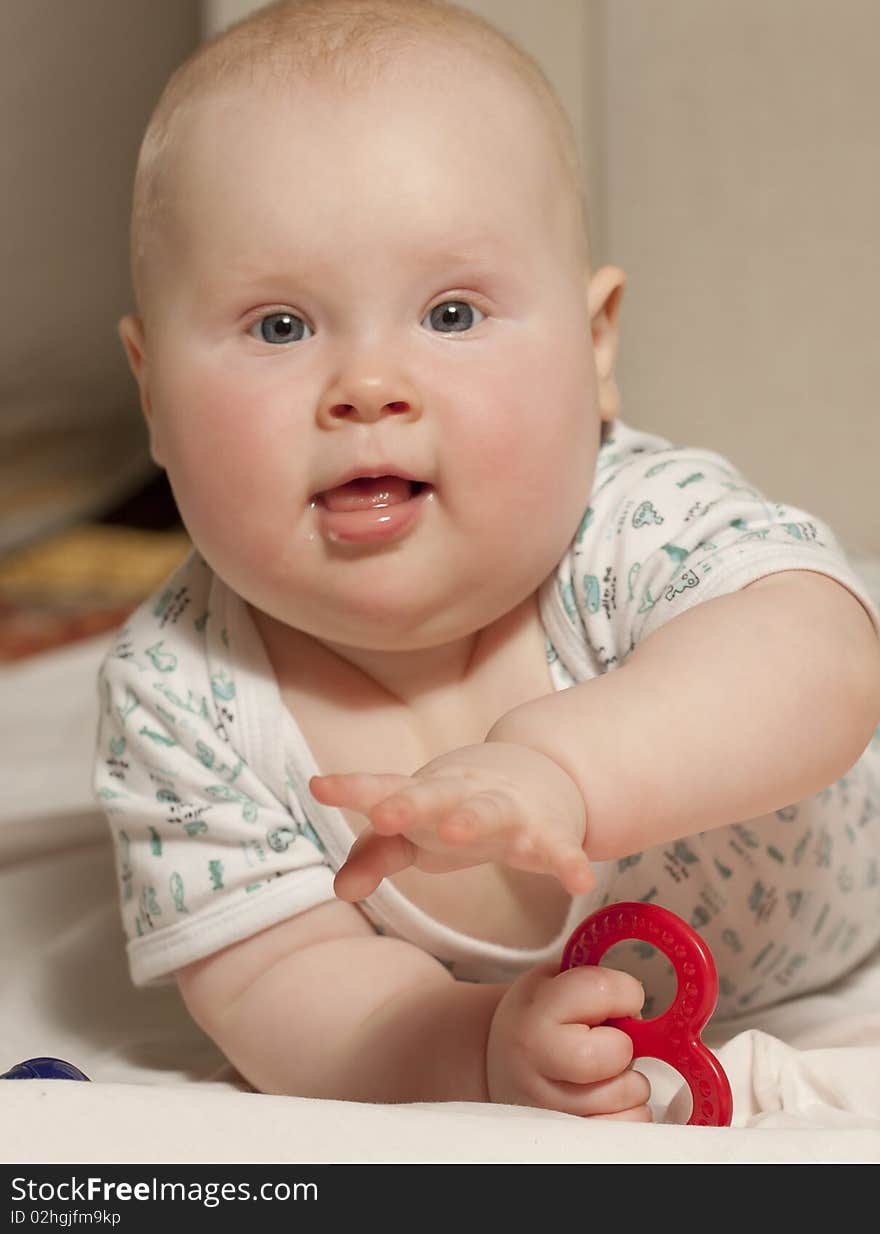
(408, 676)
(417, 679)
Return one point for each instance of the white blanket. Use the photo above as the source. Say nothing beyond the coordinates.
(805, 1075)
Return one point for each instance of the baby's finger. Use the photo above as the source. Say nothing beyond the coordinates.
(590, 994)
(355, 790)
(424, 803)
(573, 1054)
(638, 1114)
(565, 859)
(575, 871)
(626, 1091)
(370, 859)
(492, 817)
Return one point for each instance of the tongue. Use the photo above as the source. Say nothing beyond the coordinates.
(364, 493)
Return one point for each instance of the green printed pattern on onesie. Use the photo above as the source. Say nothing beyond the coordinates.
(192, 823)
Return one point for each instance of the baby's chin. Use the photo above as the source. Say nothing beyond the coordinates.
(391, 632)
(369, 621)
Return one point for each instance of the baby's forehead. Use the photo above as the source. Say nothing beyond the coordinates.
(461, 89)
(380, 163)
(450, 113)
(430, 104)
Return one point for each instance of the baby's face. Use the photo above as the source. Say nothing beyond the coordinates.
(384, 284)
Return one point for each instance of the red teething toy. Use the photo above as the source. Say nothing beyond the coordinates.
(674, 1036)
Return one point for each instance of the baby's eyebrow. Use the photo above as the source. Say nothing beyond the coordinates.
(474, 260)
(491, 261)
(481, 251)
(475, 257)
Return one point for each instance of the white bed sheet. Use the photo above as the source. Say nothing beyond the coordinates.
(805, 1075)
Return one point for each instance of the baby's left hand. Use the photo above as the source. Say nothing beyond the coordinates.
(496, 802)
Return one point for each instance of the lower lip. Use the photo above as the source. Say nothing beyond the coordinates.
(373, 524)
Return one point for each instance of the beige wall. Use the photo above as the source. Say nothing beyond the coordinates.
(743, 198)
(77, 83)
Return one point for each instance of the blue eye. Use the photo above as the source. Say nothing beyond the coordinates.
(453, 316)
(279, 328)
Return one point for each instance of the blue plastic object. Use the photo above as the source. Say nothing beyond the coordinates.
(44, 1069)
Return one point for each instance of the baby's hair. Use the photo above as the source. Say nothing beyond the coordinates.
(349, 42)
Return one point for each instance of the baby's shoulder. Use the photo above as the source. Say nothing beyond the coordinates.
(634, 466)
(170, 625)
(631, 456)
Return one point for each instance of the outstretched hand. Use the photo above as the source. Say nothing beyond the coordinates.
(494, 802)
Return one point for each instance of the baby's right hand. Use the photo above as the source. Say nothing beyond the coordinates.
(548, 1045)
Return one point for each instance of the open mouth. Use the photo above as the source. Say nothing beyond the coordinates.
(371, 508)
(371, 493)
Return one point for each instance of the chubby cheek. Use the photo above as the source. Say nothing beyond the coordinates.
(233, 463)
(531, 446)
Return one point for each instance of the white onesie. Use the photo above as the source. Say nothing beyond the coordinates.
(203, 772)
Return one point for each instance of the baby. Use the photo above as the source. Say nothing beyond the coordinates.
(459, 656)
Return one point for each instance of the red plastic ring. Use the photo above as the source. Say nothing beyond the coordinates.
(674, 1036)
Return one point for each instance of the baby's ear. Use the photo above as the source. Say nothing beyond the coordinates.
(604, 296)
(131, 332)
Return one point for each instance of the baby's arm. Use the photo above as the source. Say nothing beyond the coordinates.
(742, 705)
(735, 708)
(319, 1006)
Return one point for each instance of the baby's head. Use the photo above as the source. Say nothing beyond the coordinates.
(359, 247)
(349, 45)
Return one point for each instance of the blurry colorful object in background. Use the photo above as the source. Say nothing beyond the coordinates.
(80, 582)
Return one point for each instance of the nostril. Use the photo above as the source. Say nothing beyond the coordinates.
(342, 410)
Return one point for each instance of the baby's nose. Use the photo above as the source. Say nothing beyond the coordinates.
(367, 400)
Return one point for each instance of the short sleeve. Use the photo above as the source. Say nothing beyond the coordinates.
(668, 528)
(207, 852)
